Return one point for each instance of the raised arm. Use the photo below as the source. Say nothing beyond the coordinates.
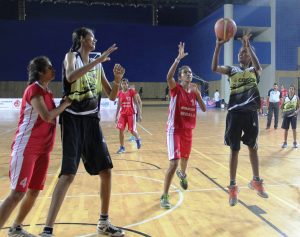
(39, 105)
(254, 59)
(170, 76)
(73, 74)
(215, 67)
(119, 72)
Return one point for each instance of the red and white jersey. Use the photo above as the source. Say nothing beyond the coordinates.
(127, 102)
(33, 133)
(182, 109)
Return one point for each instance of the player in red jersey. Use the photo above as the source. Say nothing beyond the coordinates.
(181, 122)
(32, 144)
(128, 107)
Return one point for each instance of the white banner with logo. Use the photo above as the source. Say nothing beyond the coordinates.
(10, 103)
(15, 103)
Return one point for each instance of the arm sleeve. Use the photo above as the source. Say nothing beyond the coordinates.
(33, 91)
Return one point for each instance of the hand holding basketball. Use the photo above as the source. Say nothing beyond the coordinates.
(225, 29)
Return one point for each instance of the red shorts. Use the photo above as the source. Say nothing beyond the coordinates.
(179, 143)
(127, 119)
(28, 171)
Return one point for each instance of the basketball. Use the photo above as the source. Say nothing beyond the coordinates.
(225, 29)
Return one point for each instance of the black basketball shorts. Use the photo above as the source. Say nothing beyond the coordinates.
(82, 138)
(241, 126)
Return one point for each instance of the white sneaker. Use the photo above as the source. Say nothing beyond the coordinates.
(18, 232)
(106, 228)
(46, 235)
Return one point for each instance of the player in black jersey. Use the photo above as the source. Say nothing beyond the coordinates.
(84, 79)
(242, 118)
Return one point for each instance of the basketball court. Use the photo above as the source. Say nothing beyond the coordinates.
(138, 175)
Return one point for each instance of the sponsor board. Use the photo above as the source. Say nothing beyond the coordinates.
(15, 103)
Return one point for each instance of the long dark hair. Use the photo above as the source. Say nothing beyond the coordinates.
(36, 67)
(83, 31)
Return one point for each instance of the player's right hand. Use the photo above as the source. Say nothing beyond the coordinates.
(105, 55)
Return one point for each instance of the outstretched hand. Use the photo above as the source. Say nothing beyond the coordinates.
(119, 72)
(181, 53)
(245, 39)
(105, 55)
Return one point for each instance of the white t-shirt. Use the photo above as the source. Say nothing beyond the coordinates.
(217, 96)
(274, 96)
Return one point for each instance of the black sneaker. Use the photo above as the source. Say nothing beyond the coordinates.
(106, 228)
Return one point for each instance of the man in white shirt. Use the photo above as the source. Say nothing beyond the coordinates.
(217, 98)
(273, 100)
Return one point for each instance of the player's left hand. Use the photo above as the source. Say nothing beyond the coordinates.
(119, 72)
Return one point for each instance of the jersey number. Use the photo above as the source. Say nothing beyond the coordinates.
(23, 182)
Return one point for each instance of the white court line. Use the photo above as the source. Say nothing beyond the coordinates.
(155, 217)
(291, 205)
(158, 192)
(144, 129)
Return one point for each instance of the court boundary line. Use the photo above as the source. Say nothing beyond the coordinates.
(242, 177)
(244, 204)
(144, 129)
(181, 197)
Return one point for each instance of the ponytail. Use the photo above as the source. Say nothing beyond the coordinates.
(76, 37)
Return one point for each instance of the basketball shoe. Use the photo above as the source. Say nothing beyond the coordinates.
(138, 143)
(121, 150)
(46, 235)
(295, 144)
(18, 232)
(233, 194)
(164, 201)
(183, 179)
(104, 227)
(258, 187)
